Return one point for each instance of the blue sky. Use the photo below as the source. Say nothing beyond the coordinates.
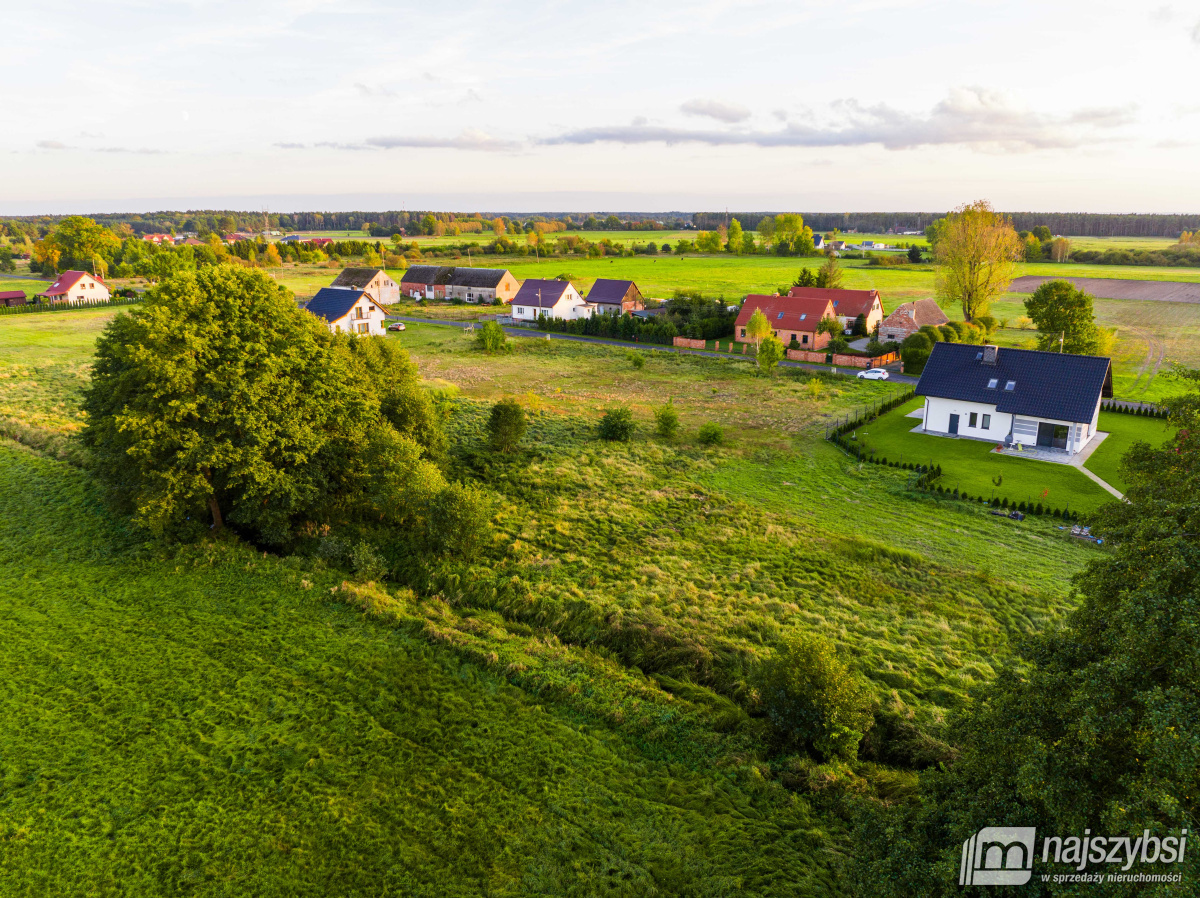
(541, 106)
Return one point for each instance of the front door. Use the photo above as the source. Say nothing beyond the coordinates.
(954, 423)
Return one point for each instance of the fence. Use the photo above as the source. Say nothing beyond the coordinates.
(33, 307)
(688, 343)
(804, 355)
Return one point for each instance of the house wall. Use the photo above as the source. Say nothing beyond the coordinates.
(85, 288)
(806, 339)
(371, 323)
(384, 289)
(938, 412)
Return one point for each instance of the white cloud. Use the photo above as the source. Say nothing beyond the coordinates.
(723, 112)
(52, 145)
(469, 139)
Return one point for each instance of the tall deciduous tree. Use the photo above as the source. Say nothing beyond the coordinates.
(976, 257)
(758, 328)
(733, 239)
(1064, 318)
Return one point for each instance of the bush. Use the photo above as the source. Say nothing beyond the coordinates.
(710, 433)
(506, 425)
(987, 322)
(813, 699)
(666, 421)
(491, 337)
(636, 358)
(367, 564)
(617, 424)
(459, 517)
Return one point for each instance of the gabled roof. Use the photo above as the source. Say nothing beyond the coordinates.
(921, 313)
(610, 292)
(791, 312)
(846, 303)
(332, 303)
(1054, 385)
(67, 280)
(428, 275)
(540, 293)
(480, 278)
(355, 277)
(12, 294)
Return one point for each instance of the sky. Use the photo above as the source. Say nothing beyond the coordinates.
(754, 105)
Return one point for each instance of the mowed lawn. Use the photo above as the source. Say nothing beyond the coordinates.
(206, 724)
(972, 467)
(1123, 431)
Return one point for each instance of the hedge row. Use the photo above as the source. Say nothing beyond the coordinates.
(1141, 411)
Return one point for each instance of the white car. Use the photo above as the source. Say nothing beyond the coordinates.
(874, 374)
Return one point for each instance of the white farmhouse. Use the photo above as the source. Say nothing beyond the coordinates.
(351, 311)
(1046, 399)
(77, 286)
(554, 299)
(374, 281)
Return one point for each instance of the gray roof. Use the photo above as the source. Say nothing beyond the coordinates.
(332, 303)
(540, 293)
(1055, 385)
(355, 277)
(610, 292)
(427, 274)
(487, 278)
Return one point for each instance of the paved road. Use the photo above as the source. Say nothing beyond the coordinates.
(649, 347)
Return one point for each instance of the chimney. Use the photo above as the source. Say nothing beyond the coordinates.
(989, 354)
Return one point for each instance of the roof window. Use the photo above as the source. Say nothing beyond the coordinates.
(835, 302)
(803, 315)
(1011, 385)
(992, 383)
(780, 315)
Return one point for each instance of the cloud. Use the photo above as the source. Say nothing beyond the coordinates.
(970, 117)
(373, 92)
(290, 146)
(142, 151)
(466, 140)
(1196, 34)
(723, 112)
(52, 145)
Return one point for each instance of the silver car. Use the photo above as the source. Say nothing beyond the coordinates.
(874, 374)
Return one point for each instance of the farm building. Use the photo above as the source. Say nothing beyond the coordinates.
(1050, 400)
(847, 304)
(910, 317)
(791, 317)
(554, 299)
(349, 310)
(484, 285)
(426, 281)
(374, 281)
(76, 286)
(10, 298)
(615, 297)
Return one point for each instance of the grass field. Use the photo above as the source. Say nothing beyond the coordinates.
(1123, 431)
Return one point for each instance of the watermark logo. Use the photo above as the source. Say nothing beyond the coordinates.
(998, 856)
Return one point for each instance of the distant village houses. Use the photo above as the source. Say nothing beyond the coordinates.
(614, 297)
(473, 285)
(552, 298)
(791, 318)
(348, 310)
(847, 304)
(374, 281)
(910, 317)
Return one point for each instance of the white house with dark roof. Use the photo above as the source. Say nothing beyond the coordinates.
(349, 311)
(552, 298)
(1050, 400)
(371, 280)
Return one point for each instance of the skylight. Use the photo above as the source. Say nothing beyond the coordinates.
(1011, 385)
(780, 315)
(992, 383)
(803, 315)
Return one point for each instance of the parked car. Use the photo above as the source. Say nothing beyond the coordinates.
(874, 374)
(397, 326)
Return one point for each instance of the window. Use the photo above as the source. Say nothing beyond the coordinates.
(1011, 385)
(793, 336)
(987, 422)
(992, 383)
(805, 340)
(805, 315)
(974, 419)
(835, 303)
(364, 328)
(521, 311)
(743, 329)
(780, 315)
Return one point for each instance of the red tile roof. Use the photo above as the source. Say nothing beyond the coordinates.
(66, 281)
(11, 294)
(790, 312)
(846, 303)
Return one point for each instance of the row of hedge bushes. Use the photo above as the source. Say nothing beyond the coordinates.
(1141, 410)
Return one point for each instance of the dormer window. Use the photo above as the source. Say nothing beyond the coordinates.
(1011, 385)
(992, 383)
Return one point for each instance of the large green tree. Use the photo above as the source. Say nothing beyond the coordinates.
(218, 399)
(976, 251)
(1093, 726)
(82, 244)
(1064, 318)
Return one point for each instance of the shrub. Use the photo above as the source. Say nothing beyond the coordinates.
(710, 433)
(491, 337)
(770, 354)
(459, 517)
(813, 699)
(987, 322)
(506, 425)
(636, 358)
(367, 564)
(617, 424)
(666, 421)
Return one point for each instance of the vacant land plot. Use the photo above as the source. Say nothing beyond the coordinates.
(1120, 288)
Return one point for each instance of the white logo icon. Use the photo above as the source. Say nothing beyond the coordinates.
(998, 856)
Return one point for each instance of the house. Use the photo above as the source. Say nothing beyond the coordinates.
(192, 241)
(847, 304)
(910, 317)
(319, 241)
(10, 298)
(349, 310)
(426, 281)
(1046, 399)
(791, 317)
(819, 241)
(554, 299)
(484, 285)
(613, 297)
(836, 245)
(158, 239)
(77, 286)
(374, 281)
